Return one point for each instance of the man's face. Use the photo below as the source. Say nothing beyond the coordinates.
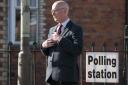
(58, 13)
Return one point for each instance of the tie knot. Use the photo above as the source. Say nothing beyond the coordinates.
(59, 28)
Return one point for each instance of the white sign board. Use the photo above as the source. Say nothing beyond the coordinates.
(102, 67)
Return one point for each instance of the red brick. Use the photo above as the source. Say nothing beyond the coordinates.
(1, 36)
(1, 64)
(1, 82)
(1, 1)
(1, 73)
(1, 45)
(1, 27)
(1, 18)
(1, 9)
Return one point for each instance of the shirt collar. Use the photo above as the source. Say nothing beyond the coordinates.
(65, 22)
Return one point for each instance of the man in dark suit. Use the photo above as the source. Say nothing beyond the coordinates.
(63, 46)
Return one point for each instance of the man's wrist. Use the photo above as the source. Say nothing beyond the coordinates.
(59, 39)
(44, 44)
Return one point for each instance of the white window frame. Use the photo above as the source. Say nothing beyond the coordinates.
(12, 6)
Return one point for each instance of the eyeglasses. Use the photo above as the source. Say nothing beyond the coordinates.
(56, 10)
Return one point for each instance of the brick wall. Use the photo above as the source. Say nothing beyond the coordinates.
(41, 19)
(3, 46)
(102, 20)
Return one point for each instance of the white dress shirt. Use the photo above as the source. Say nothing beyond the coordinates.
(64, 24)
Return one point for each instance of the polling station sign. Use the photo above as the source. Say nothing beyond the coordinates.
(102, 67)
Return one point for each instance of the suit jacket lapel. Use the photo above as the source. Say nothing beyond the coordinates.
(67, 28)
(52, 30)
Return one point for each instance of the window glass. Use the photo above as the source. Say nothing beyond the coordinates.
(126, 44)
(33, 3)
(126, 38)
(17, 25)
(33, 25)
(126, 31)
(18, 3)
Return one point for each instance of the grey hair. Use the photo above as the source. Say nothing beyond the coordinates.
(65, 4)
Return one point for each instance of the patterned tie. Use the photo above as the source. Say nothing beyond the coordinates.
(59, 29)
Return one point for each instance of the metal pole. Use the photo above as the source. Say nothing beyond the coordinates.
(93, 49)
(25, 56)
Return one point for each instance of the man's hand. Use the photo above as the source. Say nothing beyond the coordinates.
(48, 43)
(56, 37)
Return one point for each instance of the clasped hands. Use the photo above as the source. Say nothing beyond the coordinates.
(51, 41)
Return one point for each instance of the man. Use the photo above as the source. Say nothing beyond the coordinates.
(63, 47)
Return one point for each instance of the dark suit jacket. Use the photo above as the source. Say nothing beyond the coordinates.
(62, 58)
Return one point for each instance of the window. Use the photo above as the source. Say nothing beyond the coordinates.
(14, 20)
(126, 37)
